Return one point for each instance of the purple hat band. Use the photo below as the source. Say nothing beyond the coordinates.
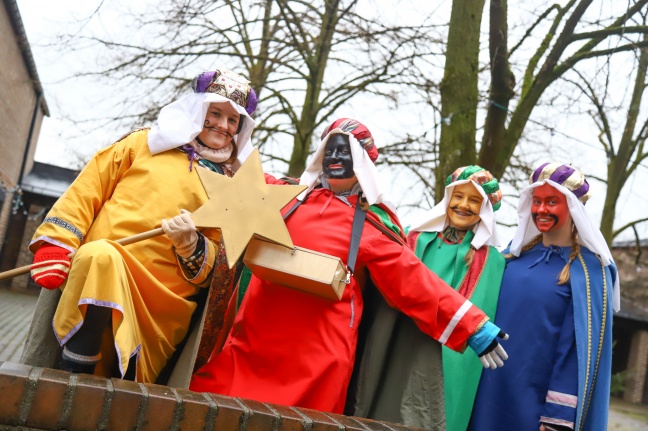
(537, 172)
(248, 101)
(203, 81)
(582, 190)
(561, 175)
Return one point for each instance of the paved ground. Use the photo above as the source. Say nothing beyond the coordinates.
(16, 310)
(627, 417)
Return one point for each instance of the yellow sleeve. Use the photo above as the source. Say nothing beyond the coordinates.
(74, 212)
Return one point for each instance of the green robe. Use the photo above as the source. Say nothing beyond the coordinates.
(461, 372)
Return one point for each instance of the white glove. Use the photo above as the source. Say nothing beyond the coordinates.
(484, 343)
(496, 357)
(181, 231)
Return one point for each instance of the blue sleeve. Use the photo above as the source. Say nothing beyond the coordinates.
(562, 394)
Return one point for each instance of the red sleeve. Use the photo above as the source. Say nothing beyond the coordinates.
(409, 286)
(270, 179)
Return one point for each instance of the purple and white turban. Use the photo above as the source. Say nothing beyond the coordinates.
(181, 121)
(571, 182)
(566, 175)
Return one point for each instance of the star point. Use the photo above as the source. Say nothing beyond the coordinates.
(243, 206)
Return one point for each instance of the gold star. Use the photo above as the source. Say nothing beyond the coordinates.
(243, 206)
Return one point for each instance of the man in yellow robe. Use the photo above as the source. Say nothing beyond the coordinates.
(139, 291)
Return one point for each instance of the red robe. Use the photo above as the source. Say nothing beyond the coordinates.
(293, 348)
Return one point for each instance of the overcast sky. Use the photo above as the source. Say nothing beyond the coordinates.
(59, 144)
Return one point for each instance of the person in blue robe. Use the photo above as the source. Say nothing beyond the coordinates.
(556, 300)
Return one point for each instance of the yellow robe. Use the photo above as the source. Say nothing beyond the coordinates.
(124, 190)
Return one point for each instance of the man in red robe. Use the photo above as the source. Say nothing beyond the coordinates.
(293, 348)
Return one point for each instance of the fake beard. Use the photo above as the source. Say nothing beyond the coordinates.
(215, 155)
(456, 208)
(551, 216)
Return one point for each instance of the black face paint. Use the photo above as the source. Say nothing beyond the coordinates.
(467, 211)
(551, 216)
(338, 161)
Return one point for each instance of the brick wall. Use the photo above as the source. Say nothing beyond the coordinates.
(638, 362)
(17, 101)
(5, 213)
(46, 399)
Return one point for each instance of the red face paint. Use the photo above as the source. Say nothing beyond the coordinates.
(549, 208)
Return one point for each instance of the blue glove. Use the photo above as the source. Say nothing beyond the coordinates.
(484, 343)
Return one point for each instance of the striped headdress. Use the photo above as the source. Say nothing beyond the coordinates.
(567, 176)
(482, 177)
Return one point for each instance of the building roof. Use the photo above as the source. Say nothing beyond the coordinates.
(632, 311)
(21, 39)
(633, 243)
(48, 180)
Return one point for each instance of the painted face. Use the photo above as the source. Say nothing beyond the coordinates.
(549, 208)
(221, 124)
(464, 207)
(338, 161)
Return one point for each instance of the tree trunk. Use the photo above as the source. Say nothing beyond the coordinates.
(502, 84)
(620, 166)
(316, 66)
(459, 93)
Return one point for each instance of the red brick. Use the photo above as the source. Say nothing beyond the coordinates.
(375, 425)
(17, 101)
(50, 407)
(162, 405)
(397, 427)
(291, 419)
(14, 385)
(127, 403)
(51, 399)
(232, 415)
(198, 411)
(348, 422)
(90, 403)
(321, 421)
(262, 417)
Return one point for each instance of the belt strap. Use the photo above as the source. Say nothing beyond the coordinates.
(359, 216)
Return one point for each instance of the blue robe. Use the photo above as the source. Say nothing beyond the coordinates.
(559, 367)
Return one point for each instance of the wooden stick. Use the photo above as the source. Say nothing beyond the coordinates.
(123, 241)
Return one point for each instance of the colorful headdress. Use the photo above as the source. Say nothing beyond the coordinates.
(181, 121)
(228, 84)
(569, 181)
(482, 177)
(567, 176)
(436, 220)
(364, 153)
(359, 131)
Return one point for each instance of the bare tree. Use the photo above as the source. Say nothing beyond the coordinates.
(567, 38)
(305, 60)
(562, 48)
(625, 153)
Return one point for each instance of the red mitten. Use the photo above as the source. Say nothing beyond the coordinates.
(51, 266)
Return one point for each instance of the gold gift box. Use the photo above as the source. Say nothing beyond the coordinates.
(298, 268)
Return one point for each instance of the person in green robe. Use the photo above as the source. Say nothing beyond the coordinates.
(456, 239)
